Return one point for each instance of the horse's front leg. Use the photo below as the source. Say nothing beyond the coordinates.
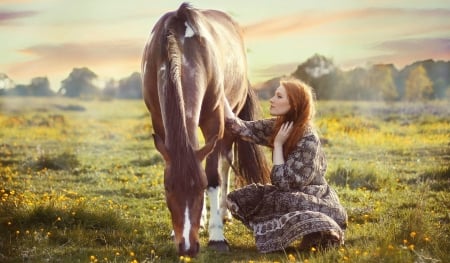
(215, 227)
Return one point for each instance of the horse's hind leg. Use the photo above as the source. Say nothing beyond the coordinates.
(204, 216)
(225, 163)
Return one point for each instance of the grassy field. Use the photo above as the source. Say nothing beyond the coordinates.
(80, 181)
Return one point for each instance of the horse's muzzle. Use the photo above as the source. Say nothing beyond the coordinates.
(191, 252)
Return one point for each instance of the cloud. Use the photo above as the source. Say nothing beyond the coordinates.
(298, 22)
(276, 70)
(439, 45)
(104, 58)
(409, 50)
(6, 16)
(406, 51)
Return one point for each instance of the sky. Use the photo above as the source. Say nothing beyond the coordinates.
(48, 38)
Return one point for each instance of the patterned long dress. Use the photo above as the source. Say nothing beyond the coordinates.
(298, 202)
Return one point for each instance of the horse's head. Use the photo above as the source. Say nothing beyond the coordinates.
(184, 183)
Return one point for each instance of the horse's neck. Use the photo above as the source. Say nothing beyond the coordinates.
(192, 112)
(182, 135)
(192, 134)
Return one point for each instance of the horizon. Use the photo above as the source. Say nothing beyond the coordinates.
(42, 39)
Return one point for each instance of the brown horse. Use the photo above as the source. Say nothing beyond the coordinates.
(192, 60)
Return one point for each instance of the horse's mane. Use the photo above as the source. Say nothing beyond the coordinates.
(183, 158)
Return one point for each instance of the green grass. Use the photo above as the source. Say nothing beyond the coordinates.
(86, 185)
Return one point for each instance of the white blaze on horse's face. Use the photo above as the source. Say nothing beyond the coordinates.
(186, 224)
(186, 228)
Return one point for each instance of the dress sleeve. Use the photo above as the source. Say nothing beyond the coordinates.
(258, 131)
(300, 167)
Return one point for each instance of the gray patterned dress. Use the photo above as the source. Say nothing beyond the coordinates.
(298, 202)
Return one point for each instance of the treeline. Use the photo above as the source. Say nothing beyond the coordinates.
(422, 80)
(81, 83)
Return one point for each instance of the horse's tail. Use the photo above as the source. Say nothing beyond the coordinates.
(251, 161)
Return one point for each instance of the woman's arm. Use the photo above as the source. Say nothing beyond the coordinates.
(280, 139)
(258, 131)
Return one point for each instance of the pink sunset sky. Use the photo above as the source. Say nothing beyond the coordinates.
(48, 38)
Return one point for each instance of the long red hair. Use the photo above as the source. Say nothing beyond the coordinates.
(301, 113)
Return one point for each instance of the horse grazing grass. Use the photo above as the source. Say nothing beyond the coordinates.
(192, 60)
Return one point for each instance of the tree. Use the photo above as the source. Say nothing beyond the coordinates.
(381, 83)
(19, 90)
(418, 86)
(131, 87)
(319, 72)
(40, 86)
(79, 84)
(110, 89)
(354, 84)
(5, 83)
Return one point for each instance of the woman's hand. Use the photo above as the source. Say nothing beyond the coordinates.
(280, 139)
(283, 133)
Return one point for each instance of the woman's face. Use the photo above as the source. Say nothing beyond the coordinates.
(279, 103)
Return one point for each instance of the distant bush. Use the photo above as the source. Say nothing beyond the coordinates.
(64, 161)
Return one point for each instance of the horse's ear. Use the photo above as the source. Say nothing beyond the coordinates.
(161, 147)
(207, 148)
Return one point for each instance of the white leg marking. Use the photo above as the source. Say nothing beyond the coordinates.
(204, 217)
(186, 228)
(215, 222)
(225, 186)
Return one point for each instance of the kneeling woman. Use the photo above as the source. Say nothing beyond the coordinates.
(298, 203)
